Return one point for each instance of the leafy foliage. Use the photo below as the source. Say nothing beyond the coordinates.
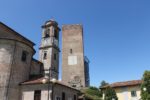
(145, 87)
(110, 94)
(92, 93)
(103, 83)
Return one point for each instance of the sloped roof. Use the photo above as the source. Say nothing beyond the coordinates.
(16, 33)
(33, 59)
(124, 84)
(39, 81)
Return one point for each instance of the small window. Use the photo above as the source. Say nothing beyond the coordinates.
(63, 96)
(133, 94)
(37, 95)
(75, 97)
(70, 51)
(24, 56)
(55, 57)
(45, 55)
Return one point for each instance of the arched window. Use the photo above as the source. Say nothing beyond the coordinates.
(45, 55)
(47, 33)
(71, 51)
(24, 56)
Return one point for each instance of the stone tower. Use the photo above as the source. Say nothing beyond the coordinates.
(75, 71)
(49, 48)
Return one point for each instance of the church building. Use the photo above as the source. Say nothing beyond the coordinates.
(24, 78)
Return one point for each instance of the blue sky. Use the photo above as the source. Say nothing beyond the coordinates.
(116, 32)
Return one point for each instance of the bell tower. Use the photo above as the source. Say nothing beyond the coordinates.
(49, 48)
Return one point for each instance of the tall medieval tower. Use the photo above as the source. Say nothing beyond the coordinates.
(75, 66)
(49, 48)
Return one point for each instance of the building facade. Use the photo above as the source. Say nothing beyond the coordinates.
(24, 78)
(16, 54)
(39, 90)
(128, 90)
(75, 69)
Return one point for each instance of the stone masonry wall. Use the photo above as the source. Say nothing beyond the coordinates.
(73, 55)
(12, 69)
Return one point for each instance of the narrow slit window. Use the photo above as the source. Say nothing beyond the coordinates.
(45, 55)
(55, 56)
(71, 51)
(24, 56)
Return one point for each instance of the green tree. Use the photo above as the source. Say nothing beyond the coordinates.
(103, 83)
(145, 87)
(92, 93)
(110, 94)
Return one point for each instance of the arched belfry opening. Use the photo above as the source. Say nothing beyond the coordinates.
(47, 33)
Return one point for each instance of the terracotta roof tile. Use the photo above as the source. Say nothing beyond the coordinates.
(39, 81)
(33, 81)
(123, 84)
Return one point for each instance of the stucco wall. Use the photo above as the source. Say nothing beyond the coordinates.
(28, 91)
(124, 93)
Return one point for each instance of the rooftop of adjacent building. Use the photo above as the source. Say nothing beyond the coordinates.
(40, 81)
(124, 84)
